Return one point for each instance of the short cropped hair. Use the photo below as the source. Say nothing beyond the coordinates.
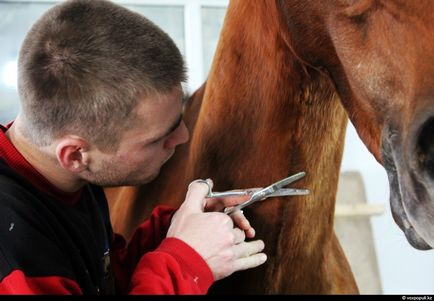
(85, 65)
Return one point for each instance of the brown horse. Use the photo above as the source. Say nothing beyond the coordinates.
(285, 76)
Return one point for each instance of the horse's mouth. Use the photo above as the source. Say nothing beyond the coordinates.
(401, 219)
(411, 176)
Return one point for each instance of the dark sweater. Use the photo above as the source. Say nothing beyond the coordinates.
(34, 224)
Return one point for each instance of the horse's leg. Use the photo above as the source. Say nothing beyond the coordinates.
(337, 264)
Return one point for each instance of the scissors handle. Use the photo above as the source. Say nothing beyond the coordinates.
(224, 194)
(229, 193)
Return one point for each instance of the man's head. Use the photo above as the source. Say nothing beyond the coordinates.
(88, 69)
(84, 66)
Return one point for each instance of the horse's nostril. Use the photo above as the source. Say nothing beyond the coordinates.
(425, 147)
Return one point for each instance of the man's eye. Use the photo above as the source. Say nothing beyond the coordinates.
(156, 141)
(152, 142)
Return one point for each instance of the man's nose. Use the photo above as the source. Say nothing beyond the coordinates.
(179, 136)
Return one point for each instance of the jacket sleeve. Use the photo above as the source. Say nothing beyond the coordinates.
(153, 264)
(18, 283)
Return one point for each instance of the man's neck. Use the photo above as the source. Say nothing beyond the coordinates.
(43, 160)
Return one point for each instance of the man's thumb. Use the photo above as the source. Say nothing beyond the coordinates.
(196, 194)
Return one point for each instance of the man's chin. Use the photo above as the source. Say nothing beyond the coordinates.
(149, 178)
(131, 182)
(153, 176)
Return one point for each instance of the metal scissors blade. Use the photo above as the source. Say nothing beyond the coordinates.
(288, 191)
(279, 192)
(274, 189)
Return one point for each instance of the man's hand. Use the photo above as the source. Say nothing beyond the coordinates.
(219, 204)
(213, 235)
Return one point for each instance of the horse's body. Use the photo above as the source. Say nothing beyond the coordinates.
(284, 77)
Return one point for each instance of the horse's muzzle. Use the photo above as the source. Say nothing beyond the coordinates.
(409, 164)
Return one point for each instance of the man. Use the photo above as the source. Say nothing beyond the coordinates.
(100, 91)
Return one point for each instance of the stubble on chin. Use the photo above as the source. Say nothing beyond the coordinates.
(155, 174)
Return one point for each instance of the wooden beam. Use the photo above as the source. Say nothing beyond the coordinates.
(347, 210)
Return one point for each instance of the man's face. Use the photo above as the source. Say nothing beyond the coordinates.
(146, 146)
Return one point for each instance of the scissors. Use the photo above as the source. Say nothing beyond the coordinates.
(274, 190)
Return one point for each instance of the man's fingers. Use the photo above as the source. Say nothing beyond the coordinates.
(220, 203)
(245, 249)
(248, 255)
(240, 220)
(240, 236)
(249, 262)
(243, 223)
(197, 191)
(231, 201)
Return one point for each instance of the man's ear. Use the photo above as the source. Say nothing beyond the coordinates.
(72, 152)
